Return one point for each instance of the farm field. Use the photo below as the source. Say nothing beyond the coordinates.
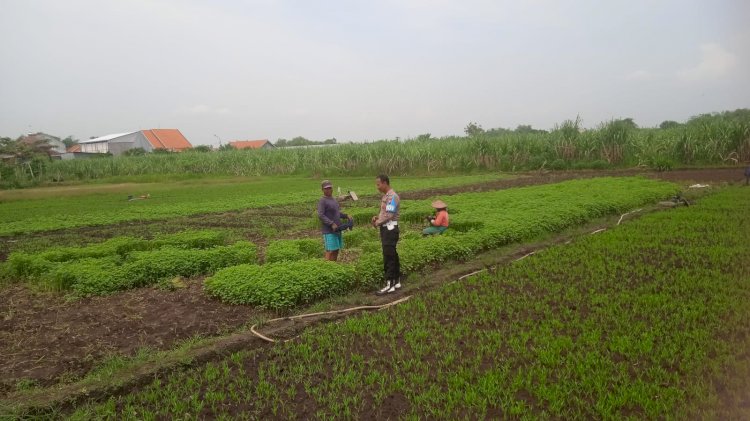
(57, 325)
(636, 322)
(75, 206)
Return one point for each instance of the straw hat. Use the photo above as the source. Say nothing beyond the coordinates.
(439, 204)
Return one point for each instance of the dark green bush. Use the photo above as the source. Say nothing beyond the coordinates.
(356, 237)
(88, 276)
(192, 239)
(26, 265)
(95, 276)
(291, 250)
(281, 285)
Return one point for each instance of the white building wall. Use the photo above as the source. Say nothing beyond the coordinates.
(119, 145)
(95, 147)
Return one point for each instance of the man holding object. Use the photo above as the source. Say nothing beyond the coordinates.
(329, 213)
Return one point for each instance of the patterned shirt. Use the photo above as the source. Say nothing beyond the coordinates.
(390, 206)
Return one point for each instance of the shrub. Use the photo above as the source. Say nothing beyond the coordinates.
(192, 239)
(356, 237)
(96, 276)
(291, 250)
(148, 267)
(87, 276)
(281, 285)
(30, 265)
(26, 265)
(369, 268)
(114, 246)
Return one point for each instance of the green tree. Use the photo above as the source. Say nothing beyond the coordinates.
(70, 141)
(473, 129)
(7, 145)
(668, 124)
(498, 131)
(527, 129)
(629, 123)
(299, 141)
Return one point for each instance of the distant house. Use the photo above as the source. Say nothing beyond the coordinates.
(252, 144)
(56, 145)
(150, 140)
(74, 152)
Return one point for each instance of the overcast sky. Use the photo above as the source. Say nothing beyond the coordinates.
(363, 70)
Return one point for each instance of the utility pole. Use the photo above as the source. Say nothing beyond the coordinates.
(218, 138)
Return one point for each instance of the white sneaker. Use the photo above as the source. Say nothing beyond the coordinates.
(387, 289)
(397, 286)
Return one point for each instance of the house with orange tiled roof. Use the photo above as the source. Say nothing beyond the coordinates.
(252, 144)
(150, 140)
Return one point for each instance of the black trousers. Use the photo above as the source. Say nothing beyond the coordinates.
(391, 263)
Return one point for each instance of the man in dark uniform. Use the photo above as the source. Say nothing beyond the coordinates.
(387, 222)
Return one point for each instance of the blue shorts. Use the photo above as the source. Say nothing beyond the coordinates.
(333, 241)
(434, 230)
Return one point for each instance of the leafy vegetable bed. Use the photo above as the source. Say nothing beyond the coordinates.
(648, 320)
(490, 220)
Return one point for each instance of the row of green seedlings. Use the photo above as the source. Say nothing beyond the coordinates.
(32, 215)
(645, 321)
(126, 262)
(489, 220)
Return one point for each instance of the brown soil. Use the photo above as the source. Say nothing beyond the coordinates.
(707, 175)
(47, 339)
(44, 338)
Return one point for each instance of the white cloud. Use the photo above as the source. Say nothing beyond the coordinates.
(201, 109)
(715, 63)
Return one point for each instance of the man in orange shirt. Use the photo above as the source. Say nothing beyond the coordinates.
(439, 222)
